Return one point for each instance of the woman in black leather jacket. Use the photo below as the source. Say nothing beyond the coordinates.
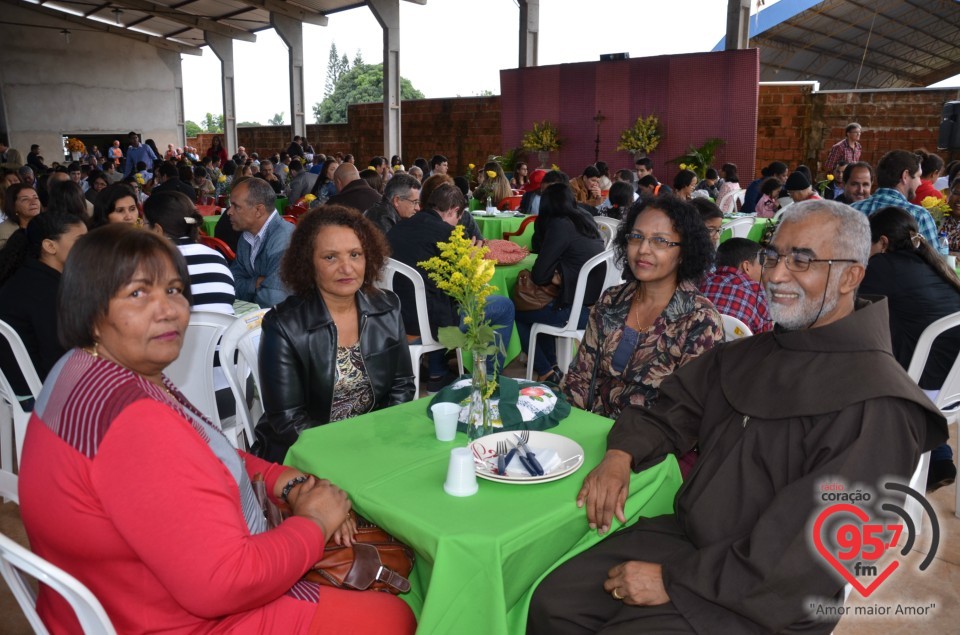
(337, 347)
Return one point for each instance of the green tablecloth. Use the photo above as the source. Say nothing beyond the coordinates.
(281, 204)
(492, 227)
(756, 232)
(210, 224)
(480, 557)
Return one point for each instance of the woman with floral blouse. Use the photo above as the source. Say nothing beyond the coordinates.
(639, 332)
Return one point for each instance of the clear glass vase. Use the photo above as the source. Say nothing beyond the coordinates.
(480, 413)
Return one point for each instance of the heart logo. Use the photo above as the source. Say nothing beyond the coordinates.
(870, 551)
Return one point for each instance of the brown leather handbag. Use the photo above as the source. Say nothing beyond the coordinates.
(375, 561)
(530, 296)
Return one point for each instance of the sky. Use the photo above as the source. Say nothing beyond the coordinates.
(453, 47)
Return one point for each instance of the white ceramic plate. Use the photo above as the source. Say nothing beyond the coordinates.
(484, 452)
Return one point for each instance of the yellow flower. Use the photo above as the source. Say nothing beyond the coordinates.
(555, 167)
(492, 174)
(222, 179)
(139, 178)
(683, 166)
(370, 167)
(309, 198)
(471, 166)
(829, 177)
(467, 319)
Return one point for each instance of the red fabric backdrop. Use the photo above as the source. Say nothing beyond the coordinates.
(696, 96)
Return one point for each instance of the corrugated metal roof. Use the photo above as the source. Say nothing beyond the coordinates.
(858, 43)
(180, 24)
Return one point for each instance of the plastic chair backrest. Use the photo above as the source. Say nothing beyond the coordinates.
(740, 227)
(523, 226)
(394, 267)
(732, 201)
(11, 436)
(950, 390)
(576, 306)
(218, 245)
(243, 336)
(510, 203)
(734, 328)
(17, 561)
(192, 372)
(608, 229)
(290, 219)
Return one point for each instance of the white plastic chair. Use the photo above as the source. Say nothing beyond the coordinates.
(243, 336)
(13, 418)
(569, 333)
(740, 226)
(16, 561)
(427, 341)
(732, 201)
(946, 399)
(192, 372)
(608, 229)
(734, 328)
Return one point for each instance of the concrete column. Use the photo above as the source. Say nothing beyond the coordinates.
(222, 47)
(291, 32)
(387, 13)
(738, 25)
(172, 60)
(529, 32)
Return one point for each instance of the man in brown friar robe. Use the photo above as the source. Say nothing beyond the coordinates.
(821, 399)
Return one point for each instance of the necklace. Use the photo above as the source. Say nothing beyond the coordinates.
(636, 311)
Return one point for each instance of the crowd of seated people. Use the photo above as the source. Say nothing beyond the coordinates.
(335, 346)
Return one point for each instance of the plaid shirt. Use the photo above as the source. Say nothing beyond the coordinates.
(841, 152)
(735, 294)
(886, 197)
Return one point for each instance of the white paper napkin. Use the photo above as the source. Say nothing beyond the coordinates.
(549, 461)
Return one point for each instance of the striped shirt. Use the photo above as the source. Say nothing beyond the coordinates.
(211, 282)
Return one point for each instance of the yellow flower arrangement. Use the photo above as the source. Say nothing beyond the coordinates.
(139, 178)
(544, 137)
(642, 136)
(462, 272)
(938, 208)
(75, 145)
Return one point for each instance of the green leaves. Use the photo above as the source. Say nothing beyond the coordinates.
(361, 84)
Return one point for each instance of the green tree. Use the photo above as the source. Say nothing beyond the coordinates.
(247, 124)
(333, 71)
(212, 123)
(191, 128)
(358, 59)
(361, 84)
(276, 120)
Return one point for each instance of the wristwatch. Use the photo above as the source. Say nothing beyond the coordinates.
(291, 484)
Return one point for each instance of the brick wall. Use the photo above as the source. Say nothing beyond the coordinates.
(465, 130)
(794, 125)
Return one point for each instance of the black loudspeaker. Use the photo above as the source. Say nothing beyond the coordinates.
(949, 137)
(609, 57)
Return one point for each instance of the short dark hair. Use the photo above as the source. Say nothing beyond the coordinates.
(648, 181)
(297, 269)
(627, 176)
(296, 165)
(621, 194)
(770, 186)
(929, 163)
(730, 172)
(66, 197)
(708, 209)
(259, 192)
(683, 179)
(106, 200)
(892, 164)
(851, 127)
(10, 199)
(696, 247)
(645, 162)
(376, 162)
(591, 172)
(857, 165)
(711, 174)
(775, 167)
(100, 263)
(175, 213)
(554, 176)
(735, 251)
(430, 184)
(168, 171)
(437, 160)
(445, 197)
(603, 168)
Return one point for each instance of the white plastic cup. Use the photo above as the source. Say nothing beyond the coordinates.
(952, 262)
(445, 415)
(461, 474)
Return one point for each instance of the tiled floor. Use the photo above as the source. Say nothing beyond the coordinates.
(938, 585)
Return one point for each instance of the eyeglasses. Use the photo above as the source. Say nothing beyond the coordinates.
(795, 261)
(656, 242)
(714, 231)
(413, 201)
